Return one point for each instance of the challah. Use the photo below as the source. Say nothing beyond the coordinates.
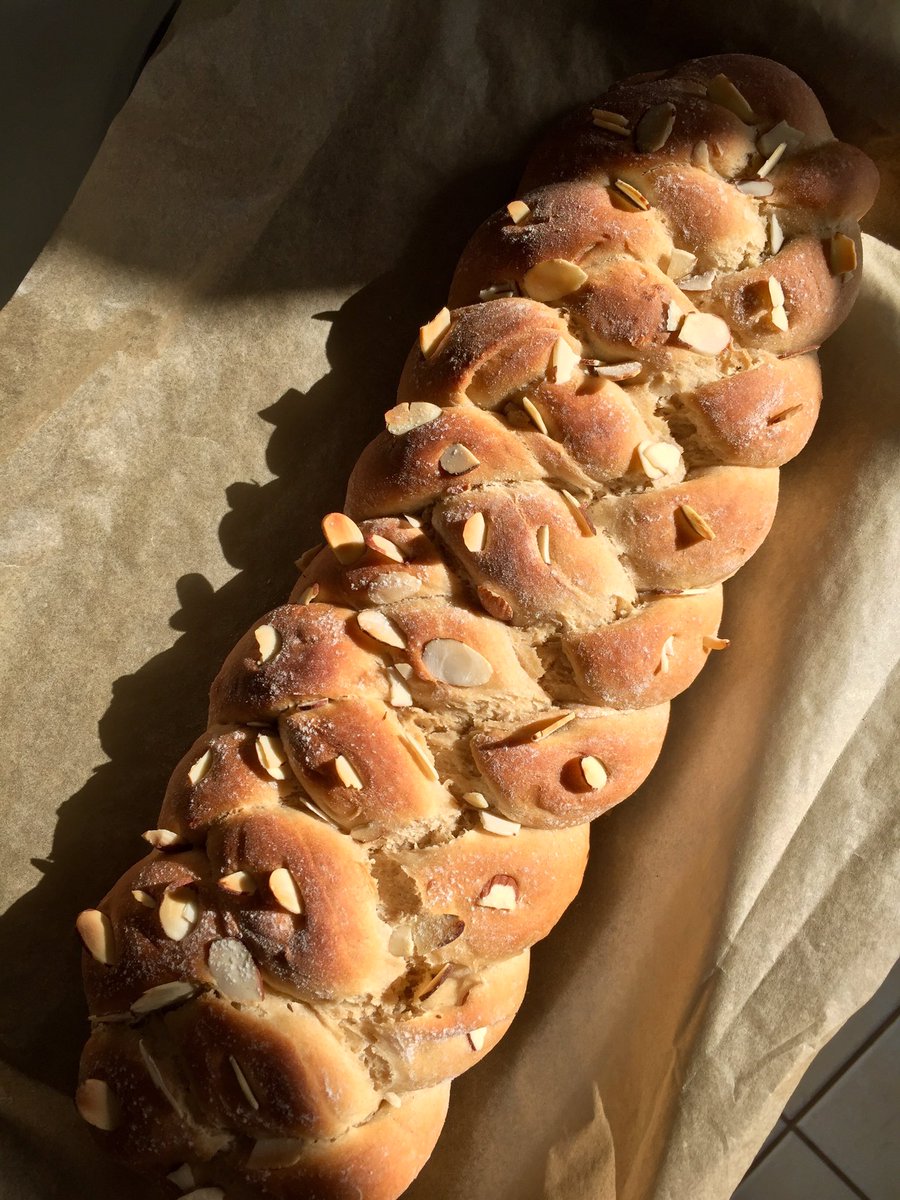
(391, 802)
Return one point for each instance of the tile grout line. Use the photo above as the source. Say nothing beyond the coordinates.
(843, 1069)
(845, 1179)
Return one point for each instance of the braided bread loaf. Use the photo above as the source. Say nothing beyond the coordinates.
(391, 803)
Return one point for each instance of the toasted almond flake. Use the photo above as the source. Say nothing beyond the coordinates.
(582, 520)
(784, 414)
(699, 524)
(183, 1177)
(666, 653)
(275, 1153)
(179, 912)
(681, 263)
(316, 811)
(630, 192)
(495, 604)
(403, 417)
(344, 537)
(551, 726)
(200, 767)
(271, 755)
(497, 291)
(477, 1038)
(384, 547)
(609, 118)
(346, 773)
(775, 290)
(365, 833)
(421, 756)
(392, 1099)
(401, 942)
(779, 317)
(307, 556)
(772, 161)
(453, 662)
(430, 984)
(158, 1079)
(234, 972)
(593, 771)
(143, 898)
(617, 371)
(475, 800)
(400, 695)
(393, 586)
(654, 127)
(96, 932)
(431, 334)
(758, 188)
(842, 254)
(543, 543)
(700, 156)
(722, 91)
(519, 212)
(535, 413)
(499, 825)
(413, 521)
(775, 234)
(704, 332)
(268, 639)
(474, 534)
(713, 642)
(612, 127)
(163, 996)
(500, 892)
(659, 458)
(381, 628)
(97, 1104)
(243, 1083)
(404, 670)
(309, 594)
(698, 283)
(238, 883)
(552, 279)
(205, 1193)
(284, 888)
(162, 839)
(563, 361)
(458, 459)
(674, 317)
(781, 133)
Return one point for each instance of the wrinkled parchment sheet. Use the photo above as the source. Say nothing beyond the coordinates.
(191, 368)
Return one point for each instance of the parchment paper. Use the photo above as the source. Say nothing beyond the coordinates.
(191, 368)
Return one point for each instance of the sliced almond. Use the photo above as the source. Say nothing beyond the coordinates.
(784, 414)
(498, 606)
(365, 833)
(164, 995)
(519, 212)
(654, 127)
(413, 521)
(552, 279)
(666, 653)
(453, 662)
(681, 263)
(421, 756)
(499, 825)
(428, 986)
(609, 118)
(381, 628)
(582, 520)
(775, 234)
(307, 556)
(552, 726)
(458, 459)
(700, 156)
(617, 371)
(97, 1104)
(705, 333)
(205, 1193)
(269, 641)
(475, 800)
(543, 543)
(344, 537)
(309, 594)
(630, 192)
(243, 1083)
(162, 839)
(474, 534)
(96, 931)
(159, 1081)
(775, 290)
(392, 586)
(477, 1038)
(183, 1177)
(234, 972)
(431, 335)
(346, 773)
(699, 524)
(276, 1153)
(779, 318)
(758, 188)
(284, 888)
(403, 417)
(271, 755)
(500, 893)
(200, 767)
(384, 546)
(401, 942)
(659, 458)
(593, 771)
(238, 883)
(781, 133)
(772, 161)
(536, 416)
(143, 898)
(311, 806)
(611, 127)
(400, 696)
(497, 291)
(563, 361)
(674, 317)
(842, 254)
(179, 912)
(722, 91)
(392, 1099)
(698, 283)
(712, 642)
